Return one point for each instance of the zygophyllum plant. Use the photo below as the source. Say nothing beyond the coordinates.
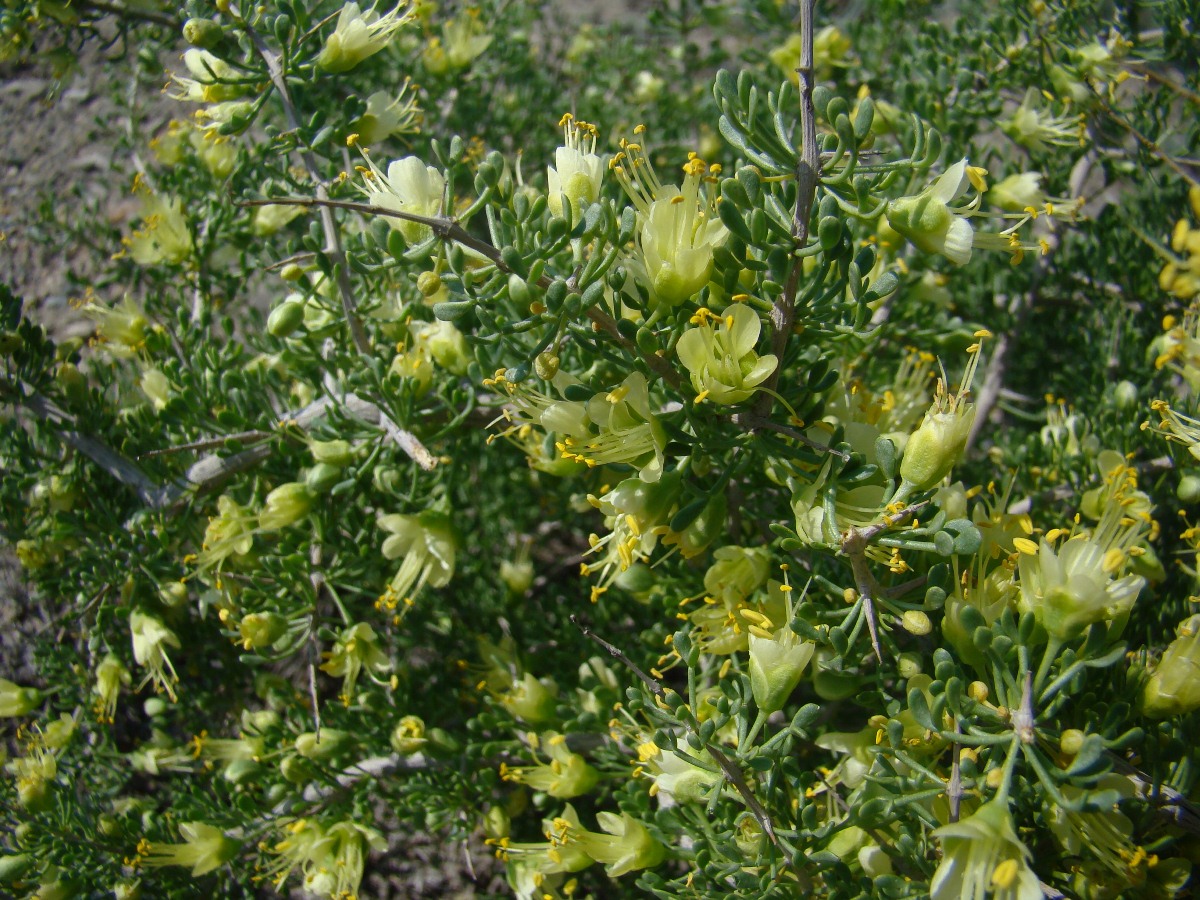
(748, 450)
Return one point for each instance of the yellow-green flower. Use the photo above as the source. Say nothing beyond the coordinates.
(121, 328)
(150, 640)
(409, 186)
(212, 80)
(330, 859)
(623, 844)
(157, 388)
(1083, 581)
(982, 856)
(831, 50)
(268, 219)
(1073, 587)
(354, 652)
(566, 775)
(111, 674)
(678, 228)
(530, 699)
(933, 449)
(1018, 192)
(360, 34)
(1036, 129)
(618, 427)
(929, 220)
(681, 774)
(205, 848)
(409, 735)
(258, 630)
(720, 357)
(16, 700)
(465, 38)
(777, 660)
(388, 116)
(284, 506)
(428, 545)
(230, 533)
(164, 236)
(577, 171)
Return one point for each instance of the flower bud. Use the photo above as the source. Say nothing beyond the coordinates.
(240, 771)
(287, 504)
(155, 706)
(518, 291)
(497, 823)
(1188, 490)
(271, 217)
(16, 700)
(1071, 741)
(408, 736)
(261, 629)
(777, 660)
(1174, 688)
(204, 33)
(934, 448)
(517, 575)
(914, 621)
(531, 700)
(874, 861)
(546, 365)
(908, 665)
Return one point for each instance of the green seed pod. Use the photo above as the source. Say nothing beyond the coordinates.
(321, 477)
(285, 319)
(13, 867)
(330, 741)
(240, 771)
(336, 453)
(1188, 490)
(296, 770)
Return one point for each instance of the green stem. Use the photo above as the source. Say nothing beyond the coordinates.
(752, 734)
(1051, 654)
(1010, 763)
